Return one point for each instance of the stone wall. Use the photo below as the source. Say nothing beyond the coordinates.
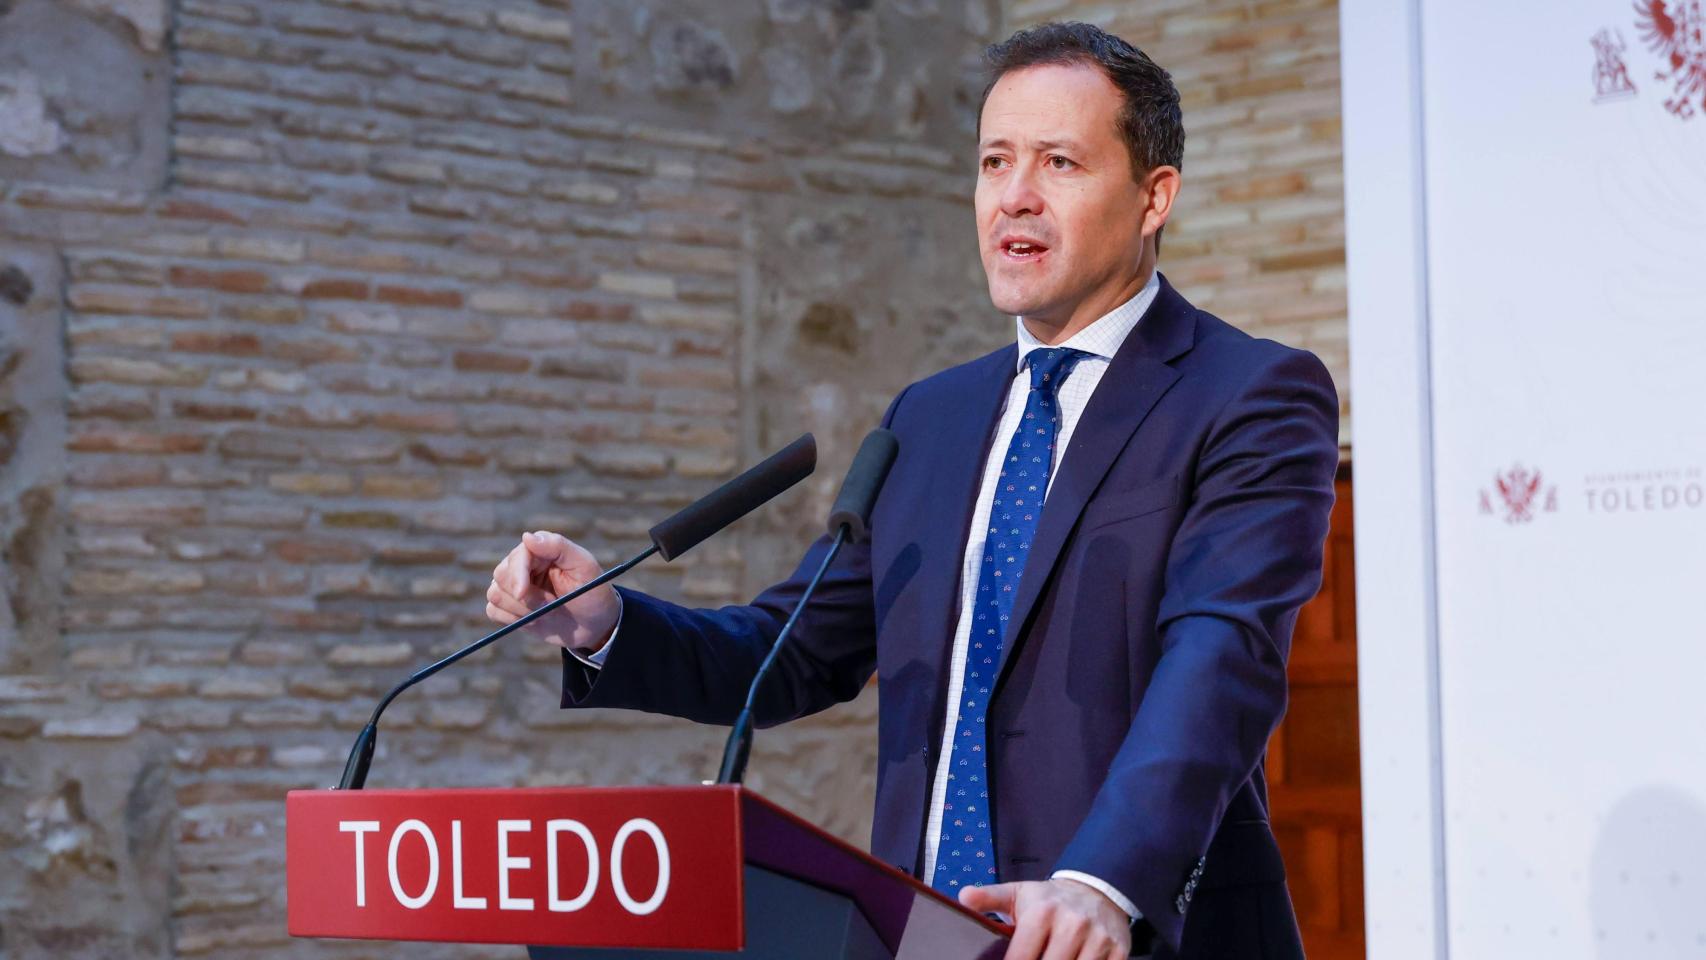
(1258, 236)
(307, 309)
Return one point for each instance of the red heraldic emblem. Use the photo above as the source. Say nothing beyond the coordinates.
(595, 867)
(1521, 494)
(1676, 31)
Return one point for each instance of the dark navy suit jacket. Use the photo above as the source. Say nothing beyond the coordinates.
(1143, 667)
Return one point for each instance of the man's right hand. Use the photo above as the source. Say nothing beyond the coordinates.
(543, 567)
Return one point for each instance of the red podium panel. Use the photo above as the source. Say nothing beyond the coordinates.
(655, 867)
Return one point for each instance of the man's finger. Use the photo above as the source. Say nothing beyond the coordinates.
(993, 898)
(1100, 946)
(546, 553)
(1066, 935)
(562, 581)
(514, 575)
(533, 598)
(1030, 933)
(499, 615)
(546, 548)
(496, 596)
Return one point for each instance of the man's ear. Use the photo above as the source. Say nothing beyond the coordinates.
(1160, 189)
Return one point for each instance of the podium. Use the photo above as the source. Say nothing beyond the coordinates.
(606, 872)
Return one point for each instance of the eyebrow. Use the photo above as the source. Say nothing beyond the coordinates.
(1066, 144)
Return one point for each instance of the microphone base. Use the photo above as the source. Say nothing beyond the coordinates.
(737, 751)
(360, 758)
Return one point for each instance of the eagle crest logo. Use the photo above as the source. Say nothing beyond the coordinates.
(1521, 494)
(1676, 31)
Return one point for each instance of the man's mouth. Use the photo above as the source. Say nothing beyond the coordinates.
(1022, 250)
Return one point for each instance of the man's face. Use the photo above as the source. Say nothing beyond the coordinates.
(1060, 217)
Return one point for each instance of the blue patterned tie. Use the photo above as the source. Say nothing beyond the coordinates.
(965, 855)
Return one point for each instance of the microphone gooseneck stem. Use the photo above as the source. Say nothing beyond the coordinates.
(361, 755)
(739, 747)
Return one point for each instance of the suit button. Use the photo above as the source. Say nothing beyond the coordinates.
(1179, 903)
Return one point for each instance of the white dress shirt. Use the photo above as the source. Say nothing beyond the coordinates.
(1100, 340)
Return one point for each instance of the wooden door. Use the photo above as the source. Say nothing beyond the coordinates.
(1313, 762)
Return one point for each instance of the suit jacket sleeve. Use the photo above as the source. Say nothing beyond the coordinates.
(1246, 556)
(698, 664)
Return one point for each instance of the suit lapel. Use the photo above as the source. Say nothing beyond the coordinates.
(958, 448)
(1135, 381)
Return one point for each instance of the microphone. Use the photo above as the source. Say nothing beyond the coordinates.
(690, 526)
(849, 520)
(735, 499)
(852, 507)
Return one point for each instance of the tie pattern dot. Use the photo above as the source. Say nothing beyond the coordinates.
(966, 848)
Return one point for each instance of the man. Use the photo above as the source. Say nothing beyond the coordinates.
(1075, 700)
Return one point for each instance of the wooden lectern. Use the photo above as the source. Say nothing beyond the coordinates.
(608, 872)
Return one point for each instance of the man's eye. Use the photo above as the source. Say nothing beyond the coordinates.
(1059, 162)
(991, 163)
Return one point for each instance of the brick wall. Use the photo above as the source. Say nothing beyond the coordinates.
(1258, 236)
(307, 309)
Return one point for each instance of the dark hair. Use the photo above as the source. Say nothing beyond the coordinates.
(1151, 123)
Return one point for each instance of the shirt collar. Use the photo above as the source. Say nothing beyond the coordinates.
(1102, 338)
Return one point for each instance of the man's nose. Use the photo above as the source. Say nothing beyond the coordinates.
(1019, 195)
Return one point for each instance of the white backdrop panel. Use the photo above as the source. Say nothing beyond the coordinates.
(1566, 263)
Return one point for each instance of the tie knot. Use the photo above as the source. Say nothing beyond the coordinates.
(1050, 365)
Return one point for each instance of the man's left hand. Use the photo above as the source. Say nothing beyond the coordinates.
(1055, 919)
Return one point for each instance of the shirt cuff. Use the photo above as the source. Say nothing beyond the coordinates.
(595, 659)
(1103, 889)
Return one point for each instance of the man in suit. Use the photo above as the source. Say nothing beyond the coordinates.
(1083, 571)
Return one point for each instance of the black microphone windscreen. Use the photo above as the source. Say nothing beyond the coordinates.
(864, 480)
(735, 499)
